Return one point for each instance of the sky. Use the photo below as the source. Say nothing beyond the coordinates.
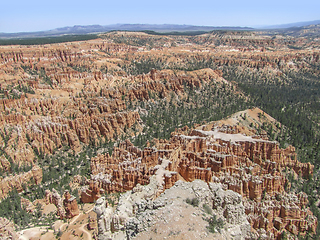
(36, 15)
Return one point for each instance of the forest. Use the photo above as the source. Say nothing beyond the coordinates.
(47, 40)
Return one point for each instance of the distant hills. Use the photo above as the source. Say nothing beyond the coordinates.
(163, 28)
(292, 25)
(77, 29)
(311, 31)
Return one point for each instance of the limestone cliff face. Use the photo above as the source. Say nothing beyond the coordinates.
(18, 181)
(251, 166)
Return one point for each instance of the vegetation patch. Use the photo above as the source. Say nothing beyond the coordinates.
(215, 224)
(48, 40)
(193, 201)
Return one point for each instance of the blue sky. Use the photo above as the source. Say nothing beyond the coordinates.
(36, 15)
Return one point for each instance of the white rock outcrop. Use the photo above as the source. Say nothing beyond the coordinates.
(141, 214)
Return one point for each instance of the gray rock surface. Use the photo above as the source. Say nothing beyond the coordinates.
(140, 214)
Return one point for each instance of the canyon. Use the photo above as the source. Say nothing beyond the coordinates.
(147, 115)
(253, 167)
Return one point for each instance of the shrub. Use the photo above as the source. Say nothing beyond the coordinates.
(207, 209)
(215, 224)
(194, 201)
(59, 234)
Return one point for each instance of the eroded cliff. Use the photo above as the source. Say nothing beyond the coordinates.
(254, 167)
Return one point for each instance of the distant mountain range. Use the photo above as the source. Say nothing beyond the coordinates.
(93, 29)
(292, 25)
(312, 31)
(77, 29)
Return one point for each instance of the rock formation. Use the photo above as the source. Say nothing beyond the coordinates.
(18, 181)
(92, 112)
(251, 166)
(70, 205)
(77, 94)
(7, 230)
(91, 193)
(139, 215)
(66, 208)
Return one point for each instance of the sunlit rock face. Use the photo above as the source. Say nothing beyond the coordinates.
(247, 164)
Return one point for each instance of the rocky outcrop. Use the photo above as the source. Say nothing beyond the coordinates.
(91, 193)
(70, 205)
(55, 198)
(4, 164)
(7, 230)
(66, 208)
(91, 114)
(44, 134)
(251, 166)
(27, 205)
(75, 94)
(37, 174)
(127, 167)
(19, 181)
(138, 214)
(255, 164)
(284, 212)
